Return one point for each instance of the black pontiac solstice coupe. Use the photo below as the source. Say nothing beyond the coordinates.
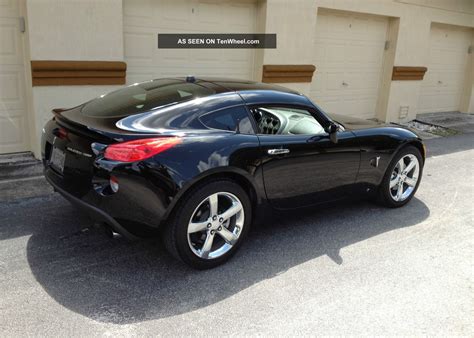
(197, 159)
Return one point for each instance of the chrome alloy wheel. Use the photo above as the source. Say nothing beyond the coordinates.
(220, 214)
(404, 177)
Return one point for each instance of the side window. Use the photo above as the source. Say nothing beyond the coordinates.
(233, 119)
(285, 121)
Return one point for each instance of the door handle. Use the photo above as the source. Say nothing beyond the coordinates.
(278, 151)
(315, 138)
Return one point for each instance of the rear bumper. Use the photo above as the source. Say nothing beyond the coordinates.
(93, 211)
(135, 211)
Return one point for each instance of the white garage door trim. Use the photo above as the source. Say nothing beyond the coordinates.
(348, 55)
(143, 20)
(14, 131)
(443, 84)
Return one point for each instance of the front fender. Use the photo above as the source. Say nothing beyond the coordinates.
(379, 146)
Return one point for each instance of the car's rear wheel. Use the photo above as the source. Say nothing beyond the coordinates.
(209, 224)
(402, 178)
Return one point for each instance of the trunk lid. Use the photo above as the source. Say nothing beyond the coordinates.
(103, 128)
(70, 149)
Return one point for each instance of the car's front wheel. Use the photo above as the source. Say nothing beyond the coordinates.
(402, 178)
(209, 225)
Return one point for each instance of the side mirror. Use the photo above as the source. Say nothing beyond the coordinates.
(332, 131)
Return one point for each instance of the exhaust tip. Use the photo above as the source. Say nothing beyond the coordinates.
(107, 230)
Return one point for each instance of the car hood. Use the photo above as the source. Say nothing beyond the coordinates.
(353, 123)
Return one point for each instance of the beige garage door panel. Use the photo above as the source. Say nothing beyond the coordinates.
(443, 83)
(348, 54)
(143, 20)
(13, 113)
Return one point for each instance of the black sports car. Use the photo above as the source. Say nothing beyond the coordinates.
(196, 160)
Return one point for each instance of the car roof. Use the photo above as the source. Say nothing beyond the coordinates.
(241, 85)
(213, 94)
(252, 92)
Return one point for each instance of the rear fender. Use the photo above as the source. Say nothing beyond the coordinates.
(253, 185)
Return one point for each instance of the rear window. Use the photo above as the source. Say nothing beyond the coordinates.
(143, 97)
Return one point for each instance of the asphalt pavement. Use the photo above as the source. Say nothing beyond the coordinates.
(352, 268)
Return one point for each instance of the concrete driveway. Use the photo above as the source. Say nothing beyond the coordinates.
(354, 268)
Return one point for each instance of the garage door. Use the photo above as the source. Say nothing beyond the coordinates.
(348, 55)
(443, 83)
(143, 20)
(13, 117)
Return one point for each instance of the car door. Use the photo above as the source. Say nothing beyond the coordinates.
(301, 165)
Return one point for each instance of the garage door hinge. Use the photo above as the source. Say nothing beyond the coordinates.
(22, 24)
(387, 45)
(469, 50)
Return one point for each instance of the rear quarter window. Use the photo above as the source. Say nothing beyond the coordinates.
(230, 119)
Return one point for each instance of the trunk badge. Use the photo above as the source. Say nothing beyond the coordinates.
(75, 151)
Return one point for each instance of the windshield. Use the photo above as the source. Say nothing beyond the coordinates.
(142, 97)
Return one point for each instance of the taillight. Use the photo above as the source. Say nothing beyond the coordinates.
(138, 150)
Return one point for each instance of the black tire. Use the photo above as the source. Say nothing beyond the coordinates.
(384, 196)
(175, 235)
